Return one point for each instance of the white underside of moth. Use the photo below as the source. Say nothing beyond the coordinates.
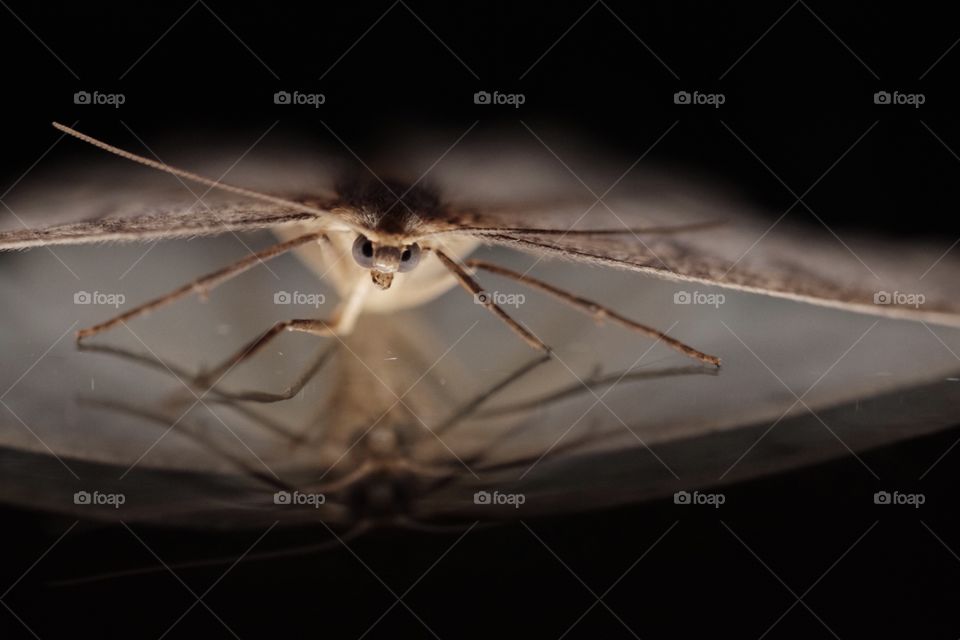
(331, 260)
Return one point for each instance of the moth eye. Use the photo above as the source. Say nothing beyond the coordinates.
(363, 252)
(410, 257)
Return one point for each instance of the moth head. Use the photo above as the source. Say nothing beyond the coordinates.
(384, 260)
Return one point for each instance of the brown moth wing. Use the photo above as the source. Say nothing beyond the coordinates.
(542, 192)
(794, 264)
(159, 223)
(113, 199)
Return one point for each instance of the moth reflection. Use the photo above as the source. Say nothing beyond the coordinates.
(369, 459)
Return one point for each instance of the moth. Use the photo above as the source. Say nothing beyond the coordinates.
(668, 430)
(389, 243)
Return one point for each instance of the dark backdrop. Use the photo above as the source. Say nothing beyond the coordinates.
(799, 82)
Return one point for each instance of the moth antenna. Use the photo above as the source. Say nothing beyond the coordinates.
(193, 177)
(661, 230)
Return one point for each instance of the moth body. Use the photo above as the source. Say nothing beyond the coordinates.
(394, 215)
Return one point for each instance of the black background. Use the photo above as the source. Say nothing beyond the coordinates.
(800, 98)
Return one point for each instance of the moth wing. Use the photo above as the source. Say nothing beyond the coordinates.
(876, 278)
(550, 195)
(156, 223)
(108, 199)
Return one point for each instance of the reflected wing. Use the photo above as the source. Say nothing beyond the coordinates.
(595, 474)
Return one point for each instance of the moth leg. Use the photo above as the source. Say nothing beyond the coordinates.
(470, 407)
(202, 382)
(197, 435)
(210, 378)
(202, 286)
(291, 391)
(343, 321)
(219, 396)
(590, 383)
(479, 460)
(472, 286)
(598, 311)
